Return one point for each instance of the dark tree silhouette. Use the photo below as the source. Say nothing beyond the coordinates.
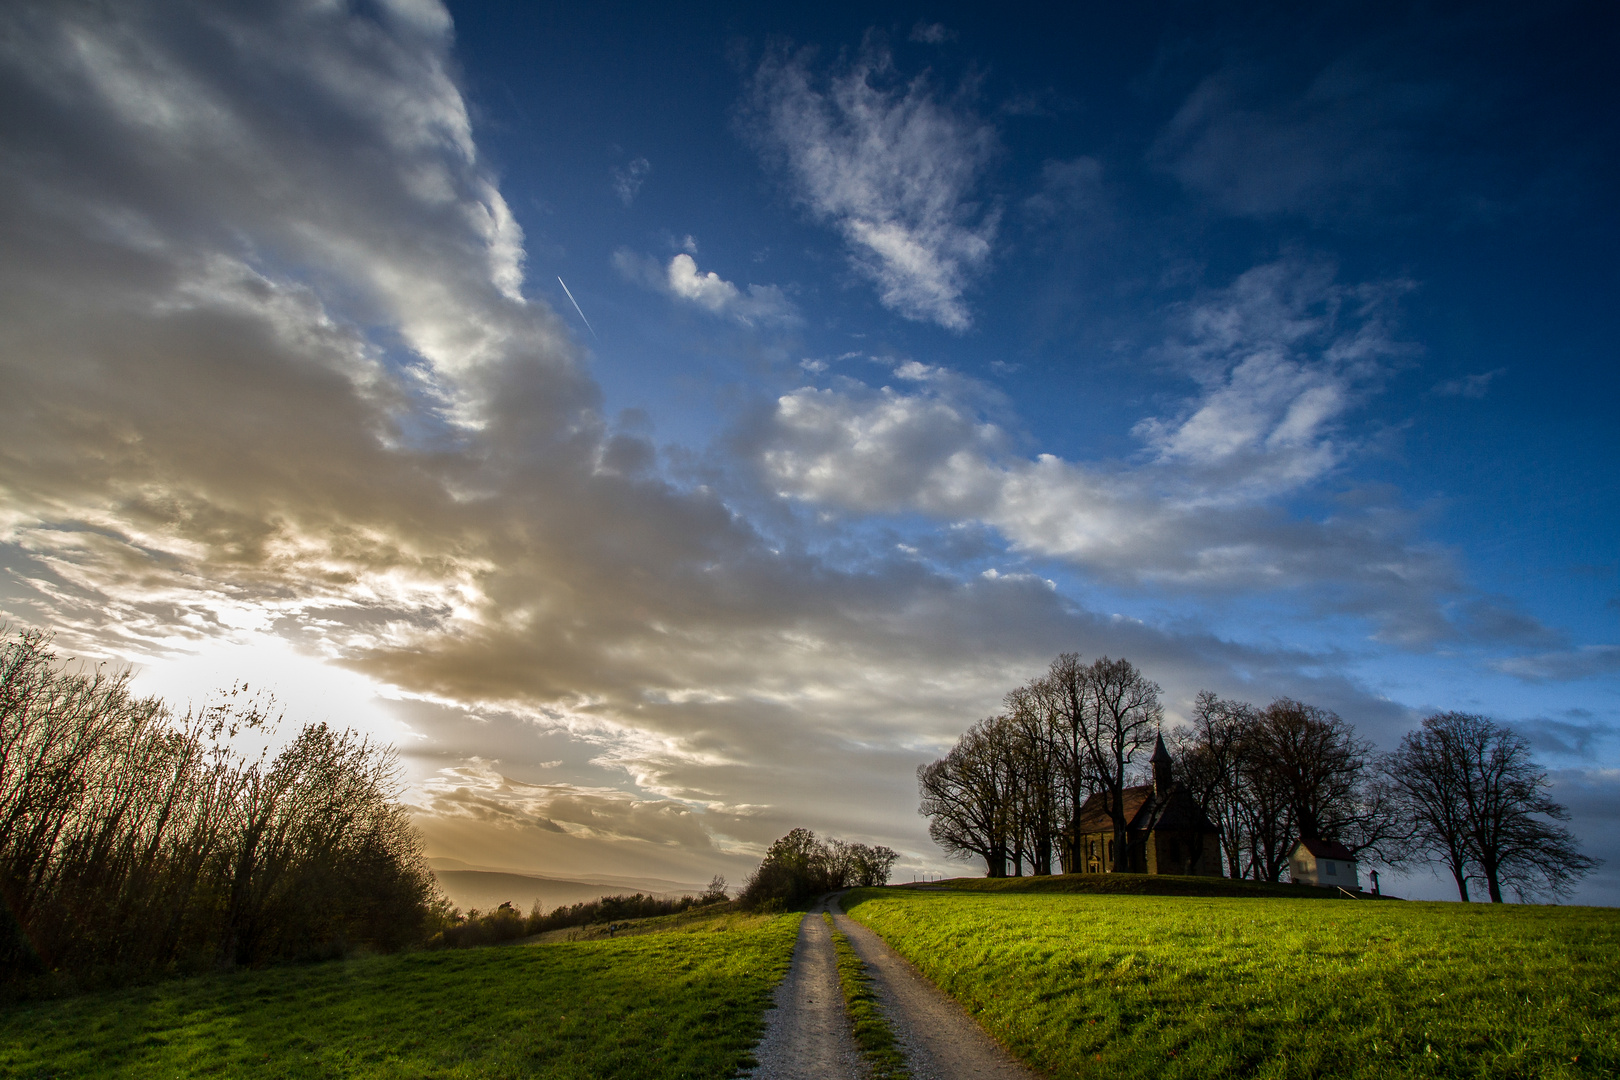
(967, 797)
(1121, 717)
(1207, 759)
(133, 841)
(799, 867)
(1481, 804)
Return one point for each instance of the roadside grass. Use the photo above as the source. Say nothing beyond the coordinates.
(872, 1032)
(1141, 885)
(1190, 987)
(685, 1003)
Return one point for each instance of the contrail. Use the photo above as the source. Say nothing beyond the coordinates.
(571, 300)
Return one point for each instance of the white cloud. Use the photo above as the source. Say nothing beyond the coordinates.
(764, 305)
(1283, 355)
(893, 167)
(1468, 386)
(627, 179)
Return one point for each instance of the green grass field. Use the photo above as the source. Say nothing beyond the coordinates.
(688, 1003)
(1156, 986)
(1141, 885)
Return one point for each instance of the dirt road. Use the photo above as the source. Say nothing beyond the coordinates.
(940, 1040)
(808, 1035)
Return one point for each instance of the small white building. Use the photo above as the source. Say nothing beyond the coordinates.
(1323, 862)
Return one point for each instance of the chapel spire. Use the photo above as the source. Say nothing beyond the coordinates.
(1161, 768)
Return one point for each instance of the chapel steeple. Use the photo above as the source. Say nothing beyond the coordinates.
(1161, 768)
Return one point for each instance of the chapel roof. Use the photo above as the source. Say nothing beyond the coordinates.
(1145, 812)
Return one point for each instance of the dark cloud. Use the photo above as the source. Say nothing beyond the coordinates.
(1586, 662)
(1592, 797)
(1350, 142)
(1578, 736)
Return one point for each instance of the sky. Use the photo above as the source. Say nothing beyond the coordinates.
(669, 425)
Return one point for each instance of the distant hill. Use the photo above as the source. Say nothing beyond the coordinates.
(484, 889)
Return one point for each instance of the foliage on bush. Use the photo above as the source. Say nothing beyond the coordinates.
(799, 867)
(134, 842)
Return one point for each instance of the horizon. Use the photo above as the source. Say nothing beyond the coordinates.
(1272, 352)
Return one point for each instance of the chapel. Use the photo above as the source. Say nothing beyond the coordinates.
(1166, 831)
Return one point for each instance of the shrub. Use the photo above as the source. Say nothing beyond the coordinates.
(798, 868)
(133, 842)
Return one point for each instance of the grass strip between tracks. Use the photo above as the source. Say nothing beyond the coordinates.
(872, 1032)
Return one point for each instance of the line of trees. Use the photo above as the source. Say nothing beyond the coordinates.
(135, 842)
(799, 867)
(1011, 790)
(1461, 789)
(507, 923)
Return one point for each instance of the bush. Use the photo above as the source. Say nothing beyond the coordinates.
(135, 843)
(798, 868)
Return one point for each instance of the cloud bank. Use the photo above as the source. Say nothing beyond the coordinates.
(271, 371)
(1281, 358)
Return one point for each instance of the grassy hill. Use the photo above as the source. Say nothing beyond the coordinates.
(1083, 982)
(1138, 885)
(686, 1002)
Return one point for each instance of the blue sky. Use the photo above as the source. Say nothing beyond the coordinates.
(1270, 348)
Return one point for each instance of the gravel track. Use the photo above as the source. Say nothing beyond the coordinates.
(808, 1034)
(940, 1040)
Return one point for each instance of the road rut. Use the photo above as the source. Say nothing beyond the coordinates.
(940, 1040)
(808, 1034)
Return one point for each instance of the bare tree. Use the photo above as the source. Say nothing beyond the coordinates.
(1120, 716)
(134, 841)
(1482, 805)
(1267, 808)
(1060, 702)
(1038, 761)
(967, 798)
(1315, 758)
(1207, 760)
(1426, 773)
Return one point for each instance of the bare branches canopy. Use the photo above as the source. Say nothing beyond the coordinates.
(1024, 788)
(1479, 805)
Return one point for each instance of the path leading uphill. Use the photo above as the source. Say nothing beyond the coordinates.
(808, 1037)
(940, 1040)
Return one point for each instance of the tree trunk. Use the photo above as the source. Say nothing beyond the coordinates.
(1043, 855)
(1462, 883)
